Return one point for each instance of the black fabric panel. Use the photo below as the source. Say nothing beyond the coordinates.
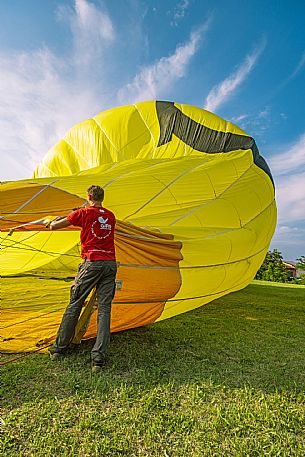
(201, 138)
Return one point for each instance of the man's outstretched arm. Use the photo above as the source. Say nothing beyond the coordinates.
(59, 222)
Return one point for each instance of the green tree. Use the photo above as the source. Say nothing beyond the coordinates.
(273, 268)
(301, 262)
(301, 266)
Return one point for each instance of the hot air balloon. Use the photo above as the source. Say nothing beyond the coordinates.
(196, 213)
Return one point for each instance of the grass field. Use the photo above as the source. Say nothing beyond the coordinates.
(224, 380)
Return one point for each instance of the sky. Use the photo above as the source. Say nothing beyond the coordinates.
(63, 61)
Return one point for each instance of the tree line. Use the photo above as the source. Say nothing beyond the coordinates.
(273, 269)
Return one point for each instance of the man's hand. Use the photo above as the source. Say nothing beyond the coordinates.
(59, 222)
(49, 222)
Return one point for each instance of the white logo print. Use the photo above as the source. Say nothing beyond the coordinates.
(100, 229)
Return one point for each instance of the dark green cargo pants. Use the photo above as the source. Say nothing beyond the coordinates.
(99, 273)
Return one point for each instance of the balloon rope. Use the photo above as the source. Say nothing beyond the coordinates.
(24, 355)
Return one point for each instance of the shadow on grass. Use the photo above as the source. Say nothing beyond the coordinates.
(253, 338)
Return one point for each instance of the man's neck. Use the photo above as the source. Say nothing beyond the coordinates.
(95, 204)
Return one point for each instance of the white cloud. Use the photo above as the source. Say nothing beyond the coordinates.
(224, 90)
(290, 240)
(91, 28)
(284, 229)
(152, 81)
(43, 95)
(239, 118)
(179, 12)
(290, 197)
(257, 123)
(264, 113)
(298, 68)
(288, 169)
(38, 107)
(290, 160)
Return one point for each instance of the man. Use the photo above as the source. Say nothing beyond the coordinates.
(98, 269)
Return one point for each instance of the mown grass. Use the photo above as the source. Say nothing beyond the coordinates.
(226, 379)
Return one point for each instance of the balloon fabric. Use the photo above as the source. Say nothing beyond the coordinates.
(196, 212)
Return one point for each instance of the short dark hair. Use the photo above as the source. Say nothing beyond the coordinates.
(96, 192)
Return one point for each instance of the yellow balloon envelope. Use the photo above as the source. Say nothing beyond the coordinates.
(196, 213)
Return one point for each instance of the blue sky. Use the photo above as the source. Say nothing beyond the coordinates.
(62, 61)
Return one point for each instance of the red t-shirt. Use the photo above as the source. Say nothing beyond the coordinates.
(97, 232)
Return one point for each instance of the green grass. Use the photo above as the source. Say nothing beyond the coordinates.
(226, 379)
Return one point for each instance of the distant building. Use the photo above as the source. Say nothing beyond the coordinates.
(292, 269)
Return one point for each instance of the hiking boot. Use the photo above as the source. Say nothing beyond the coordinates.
(97, 367)
(54, 355)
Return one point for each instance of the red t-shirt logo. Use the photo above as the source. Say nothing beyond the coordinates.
(100, 229)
